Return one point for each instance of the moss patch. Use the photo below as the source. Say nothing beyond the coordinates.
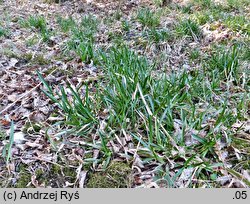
(24, 177)
(117, 175)
(58, 176)
(40, 59)
(54, 177)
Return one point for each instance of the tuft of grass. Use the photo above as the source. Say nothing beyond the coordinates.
(36, 21)
(227, 63)
(194, 54)
(158, 3)
(7, 153)
(187, 9)
(148, 18)
(86, 51)
(147, 107)
(126, 26)
(39, 23)
(32, 41)
(238, 23)
(117, 38)
(188, 28)
(89, 22)
(124, 69)
(66, 24)
(82, 39)
(79, 113)
(202, 17)
(3, 32)
(157, 35)
(179, 116)
(237, 4)
(204, 4)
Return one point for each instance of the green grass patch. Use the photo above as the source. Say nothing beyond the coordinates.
(157, 35)
(238, 23)
(227, 63)
(38, 23)
(66, 24)
(194, 54)
(89, 22)
(148, 18)
(204, 4)
(3, 32)
(83, 39)
(188, 28)
(237, 4)
(181, 115)
(202, 17)
(126, 25)
(79, 113)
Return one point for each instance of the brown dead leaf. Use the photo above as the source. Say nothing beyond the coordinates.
(33, 145)
(4, 122)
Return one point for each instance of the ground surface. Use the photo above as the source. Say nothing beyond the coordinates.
(124, 94)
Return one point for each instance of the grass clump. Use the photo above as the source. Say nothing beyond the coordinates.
(238, 23)
(187, 9)
(158, 3)
(7, 150)
(89, 22)
(3, 32)
(148, 18)
(117, 175)
(82, 40)
(66, 24)
(157, 35)
(204, 4)
(39, 23)
(202, 17)
(227, 64)
(32, 41)
(237, 4)
(125, 69)
(194, 54)
(126, 26)
(188, 28)
(79, 114)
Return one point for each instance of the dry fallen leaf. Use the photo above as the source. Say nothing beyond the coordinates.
(19, 137)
